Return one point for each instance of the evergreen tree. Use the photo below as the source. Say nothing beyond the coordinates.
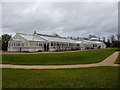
(5, 39)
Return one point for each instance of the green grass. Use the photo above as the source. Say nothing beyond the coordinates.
(118, 60)
(97, 77)
(82, 57)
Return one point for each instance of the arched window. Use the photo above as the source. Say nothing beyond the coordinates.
(18, 44)
(57, 44)
(40, 44)
(77, 44)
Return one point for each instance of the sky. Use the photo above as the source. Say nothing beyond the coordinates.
(64, 18)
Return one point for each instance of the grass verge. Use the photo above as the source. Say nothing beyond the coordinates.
(96, 77)
(118, 59)
(82, 57)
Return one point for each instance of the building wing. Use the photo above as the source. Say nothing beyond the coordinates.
(57, 39)
(32, 37)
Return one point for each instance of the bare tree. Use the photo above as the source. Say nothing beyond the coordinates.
(98, 38)
(112, 38)
(104, 39)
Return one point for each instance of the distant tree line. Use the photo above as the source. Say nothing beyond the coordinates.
(114, 41)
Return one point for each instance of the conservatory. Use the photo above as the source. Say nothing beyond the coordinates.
(40, 42)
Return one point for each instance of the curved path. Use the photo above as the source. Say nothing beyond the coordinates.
(107, 62)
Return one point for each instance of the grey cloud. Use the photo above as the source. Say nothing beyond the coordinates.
(66, 19)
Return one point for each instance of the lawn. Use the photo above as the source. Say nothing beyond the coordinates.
(118, 60)
(82, 57)
(96, 77)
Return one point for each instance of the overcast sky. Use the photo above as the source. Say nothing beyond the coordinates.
(64, 18)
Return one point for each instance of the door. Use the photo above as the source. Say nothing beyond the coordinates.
(45, 47)
(20, 49)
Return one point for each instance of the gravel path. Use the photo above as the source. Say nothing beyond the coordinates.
(107, 62)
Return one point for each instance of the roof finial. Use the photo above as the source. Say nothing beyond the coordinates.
(34, 32)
